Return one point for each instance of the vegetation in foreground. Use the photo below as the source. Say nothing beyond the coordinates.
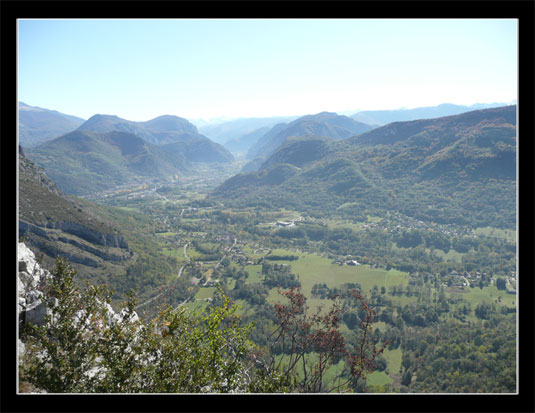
(86, 347)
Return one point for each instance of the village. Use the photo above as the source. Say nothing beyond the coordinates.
(180, 224)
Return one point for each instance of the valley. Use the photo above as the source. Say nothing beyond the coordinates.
(270, 206)
(419, 276)
(429, 252)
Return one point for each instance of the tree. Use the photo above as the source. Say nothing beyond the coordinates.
(84, 346)
(311, 343)
(406, 378)
(501, 284)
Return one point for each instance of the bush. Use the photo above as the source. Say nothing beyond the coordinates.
(85, 347)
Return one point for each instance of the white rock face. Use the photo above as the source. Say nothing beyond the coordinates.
(32, 307)
(29, 277)
(29, 269)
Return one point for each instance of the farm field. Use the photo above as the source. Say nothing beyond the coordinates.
(209, 232)
(489, 294)
(507, 234)
(314, 269)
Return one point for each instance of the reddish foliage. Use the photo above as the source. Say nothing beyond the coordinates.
(301, 334)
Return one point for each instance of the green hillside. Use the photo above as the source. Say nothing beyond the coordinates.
(198, 148)
(325, 124)
(172, 133)
(56, 225)
(457, 169)
(298, 151)
(82, 162)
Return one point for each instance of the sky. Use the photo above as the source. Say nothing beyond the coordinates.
(231, 68)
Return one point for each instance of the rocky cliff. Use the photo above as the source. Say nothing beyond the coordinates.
(57, 225)
(30, 278)
(34, 306)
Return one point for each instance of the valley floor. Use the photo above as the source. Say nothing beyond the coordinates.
(419, 277)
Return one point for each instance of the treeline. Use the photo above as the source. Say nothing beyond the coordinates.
(417, 249)
(279, 275)
(281, 257)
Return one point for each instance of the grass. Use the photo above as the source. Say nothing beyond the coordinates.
(378, 378)
(249, 251)
(173, 252)
(196, 306)
(130, 209)
(313, 269)
(488, 294)
(451, 255)
(190, 220)
(255, 273)
(507, 234)
(204, 293)
(329, 375)
(166, 234)
(338, 223)
(192, 252)
(393, 359)
(243, 307)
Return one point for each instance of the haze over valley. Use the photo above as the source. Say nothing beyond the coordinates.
(407, 207)
(230, 224)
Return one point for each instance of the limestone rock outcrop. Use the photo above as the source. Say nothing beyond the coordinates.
(30, 278)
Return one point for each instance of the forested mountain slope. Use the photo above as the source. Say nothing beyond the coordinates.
(384, 117)
(83, 162)
(459, 168)
(182, 136)
(55, 225)
(325, 124)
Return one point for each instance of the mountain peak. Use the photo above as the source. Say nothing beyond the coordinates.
(101, 117)
(170, 123)
(38, 125)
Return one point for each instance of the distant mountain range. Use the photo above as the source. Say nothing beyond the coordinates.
(235, 129)
(243, 143)
(182, 137)
(459, 168)
(37, 125)
(106, 151)
(383, 117)
(160, 130)
(82, 162)
(326, 124)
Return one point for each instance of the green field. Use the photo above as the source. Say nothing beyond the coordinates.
(378, 378)
(507, 234)
(255, 273)
(329, 375)
(192, 252)
(339, 223)
(177, 253)
(313, 269)
(204, 293)
(129, 209)
(451, 255)
(166, 234)
(488, 294)
(393, 358)
(196, 306)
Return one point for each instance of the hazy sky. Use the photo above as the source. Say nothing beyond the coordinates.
(205, 68)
